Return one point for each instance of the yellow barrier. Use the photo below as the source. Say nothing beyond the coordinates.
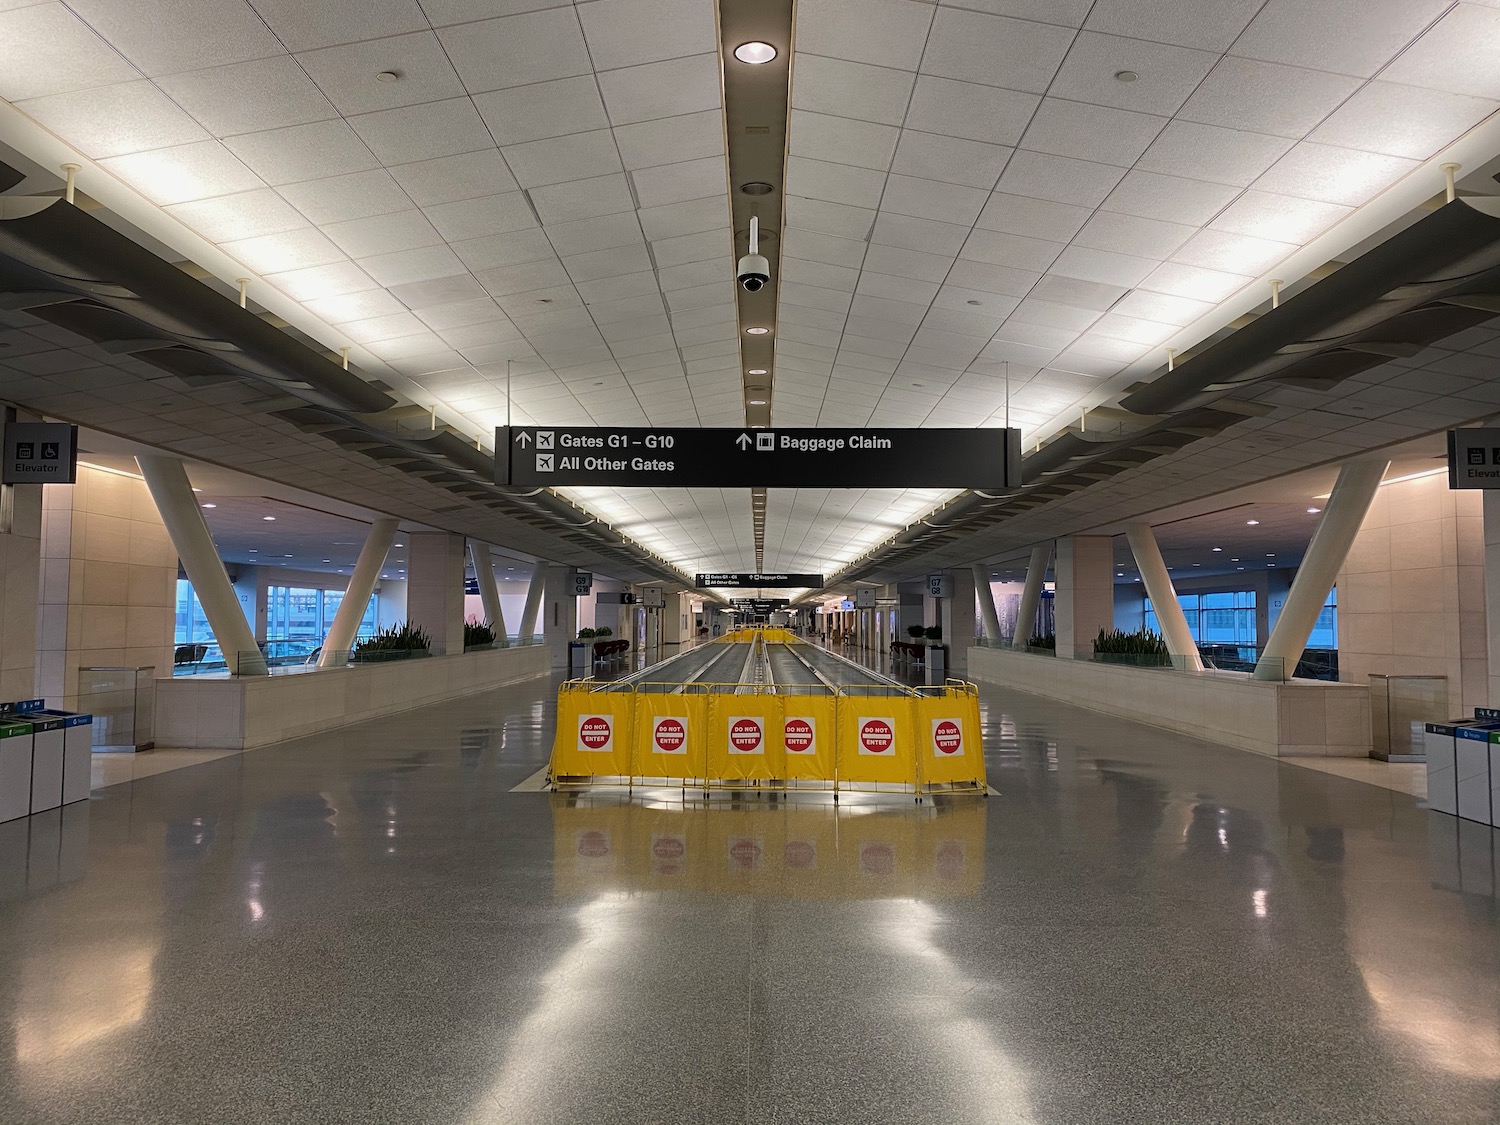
(876, 740)
(671, 736)
(948, 738)
(594, 732)
(744, 737)
(809, 737)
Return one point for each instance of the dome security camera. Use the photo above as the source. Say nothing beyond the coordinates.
(753, 271)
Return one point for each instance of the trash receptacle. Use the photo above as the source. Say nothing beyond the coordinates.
(577, 657)
(15, 770)
(78, 739)
(1442, 777)
(1471, 764)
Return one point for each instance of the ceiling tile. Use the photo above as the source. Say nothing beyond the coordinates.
(912, 233)
(1262, 97)
(1035, 218)
(517, 50)
(1209, 25)
(1162, 307)
(1283, 218)
(407, 266)
(355, 306)
(1333, 175)
(977, 47)
(346, 73)
(1102, 266)
(1071, 318)
(992, 279)
(671, 140)
(244, 215)
(836, 183)
(183, 172)
(863, 144)
(1014, 251)
(322, 281)
(882, 32)
(1456, 56)
(951, 159)
(849, 89)
(672, 183)
(1169, 198)
(543, 109)
(423, 132)
(340, 198)
(817, 247)
(204, 33)
(1226, 156)
(615, 262)
(1079, 292)
(1132, 234)
(968, 109)
(583, 199)
(114, 120)
(664, 89)
(693, 216)
(908, 263)
(46, 49)
(1082, 132)
(450, 179)
(289, 250)
(461, 314)
(302, 26)
(931, 199)
(479, 218)
(595, 234)
(629, 32)
(577, 156)
(249, 97)
(1194, 282)
(1165, 74)
(303, 152)
(383, 234)
(1349, 36)
(1402, 120)
(443, 292)
(1058, 178)
(837, 219)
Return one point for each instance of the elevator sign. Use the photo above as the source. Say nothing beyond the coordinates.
(40, 453)
(635, 456)
(1474, 458)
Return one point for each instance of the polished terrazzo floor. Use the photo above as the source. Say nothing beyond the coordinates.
(371, 927)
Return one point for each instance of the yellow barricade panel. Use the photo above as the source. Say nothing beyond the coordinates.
(744, 737)
(809, 737)
(671, 735)
(948, 739)
(876, 740)
(594, 736)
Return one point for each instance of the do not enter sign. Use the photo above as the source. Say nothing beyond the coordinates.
(800, 736)
(669, 736)
(947, 738)
(877, 736)
(747, 734)
(595, 733)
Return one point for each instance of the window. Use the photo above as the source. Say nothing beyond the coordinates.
(192, 624)
(297, 613)
(1325, 634)
(1221, 618)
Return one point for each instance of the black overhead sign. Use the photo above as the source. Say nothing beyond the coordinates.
(758, 606)
(636, 456)
(760, 581)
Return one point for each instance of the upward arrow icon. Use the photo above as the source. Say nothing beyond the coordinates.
(523, 439)
(743, 441)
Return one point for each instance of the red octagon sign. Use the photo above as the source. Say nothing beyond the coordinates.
(670, 735)
(947, 737)
(876, 736)
(594, 732)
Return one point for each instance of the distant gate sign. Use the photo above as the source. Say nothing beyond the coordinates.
(759, 581)
(1473, 459)
(730, 457)
(939, 586)
(583, 582)
(40, 453)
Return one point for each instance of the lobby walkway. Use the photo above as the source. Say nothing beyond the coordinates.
(371, 927)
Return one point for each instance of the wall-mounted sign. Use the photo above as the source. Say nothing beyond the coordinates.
(637, 456)
(652, 597)
(583, 582)
(760, 581)
(939, 586)
(40, 453)
(865, 596)
(1474, 458)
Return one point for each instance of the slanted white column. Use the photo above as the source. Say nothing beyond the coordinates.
(1085, 596)
(351, 610)
(1345, 511)
(1031, 594)
(1163, 595)
(533, 607)
(168, 482)
(489, 592)
(987, 612)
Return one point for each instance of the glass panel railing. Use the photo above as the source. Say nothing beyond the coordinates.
(123, 703)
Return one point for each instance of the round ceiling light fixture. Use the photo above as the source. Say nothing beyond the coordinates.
(755, 52)
(1126, 75)
(757, 187)
(757, 402)
(756, 371)
(757, 331)
(388, 76)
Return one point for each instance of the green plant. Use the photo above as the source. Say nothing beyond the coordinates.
(604, 631)
(396, 640)
(1043, 640)
(934, 632)
(478, 633)
(916, 632)
(1141, 642)
(587, 634)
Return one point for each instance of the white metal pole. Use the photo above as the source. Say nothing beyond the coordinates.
(1031, 594)
(987, 612)
(1163, 595)
(351, 612)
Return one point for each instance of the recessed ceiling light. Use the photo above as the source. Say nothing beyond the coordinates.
(1313, 511)
(254, 551)
(328, 560)
(1252, 523)
(757, 331)
(398, 544)
(757, 187)
(1218, 548)
(1271, 554)
(757, 402)
(210, 505)
(755, 53)
(756, 371)
(388, 76)
(1126, 75)
(269, 519)
(286, 556)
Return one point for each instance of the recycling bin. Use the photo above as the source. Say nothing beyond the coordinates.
(78, 739)
(1471, 767)
(15, 770)
(1442, 778)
